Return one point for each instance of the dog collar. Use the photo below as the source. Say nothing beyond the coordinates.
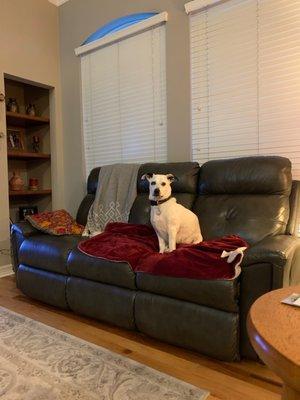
(158, 202)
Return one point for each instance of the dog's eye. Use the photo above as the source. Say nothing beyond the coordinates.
(153, 183)
(163, 184)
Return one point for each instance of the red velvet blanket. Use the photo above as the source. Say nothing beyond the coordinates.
(138, 246)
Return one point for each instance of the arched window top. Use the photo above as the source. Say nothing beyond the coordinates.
(117, 25)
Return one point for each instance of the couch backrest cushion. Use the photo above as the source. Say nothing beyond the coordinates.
(185, 189)
(92, 181)
(84, 208)
(244, 196)
(293, 226)
(88, 200)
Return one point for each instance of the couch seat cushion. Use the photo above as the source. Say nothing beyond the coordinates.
(219, 294)
(100, 270)
(48, 252)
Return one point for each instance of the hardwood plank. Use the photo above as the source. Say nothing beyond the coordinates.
(226, 381)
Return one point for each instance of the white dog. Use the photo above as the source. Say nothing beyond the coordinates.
(172, 222)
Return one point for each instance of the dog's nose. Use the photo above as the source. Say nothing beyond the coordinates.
(156, 192)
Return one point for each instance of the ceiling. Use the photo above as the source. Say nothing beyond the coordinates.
(58, 2)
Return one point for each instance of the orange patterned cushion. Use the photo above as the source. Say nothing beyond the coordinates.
(57, 222)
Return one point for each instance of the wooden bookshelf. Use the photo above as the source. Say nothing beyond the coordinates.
(24, 120)
(21, 157)
(24, 155)
(42, 192)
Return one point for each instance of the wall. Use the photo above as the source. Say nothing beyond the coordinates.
(29, 48)
(78, 19)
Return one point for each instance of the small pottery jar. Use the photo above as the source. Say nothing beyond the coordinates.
(12, 105)
(30, 110)
(33, 184)
(16, 182)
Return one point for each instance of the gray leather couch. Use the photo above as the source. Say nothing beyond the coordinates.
(253, 197)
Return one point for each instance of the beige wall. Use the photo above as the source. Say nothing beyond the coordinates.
(80, 18)
(29, 48)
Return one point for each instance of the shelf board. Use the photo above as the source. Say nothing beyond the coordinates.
(24, 155)
(17, 119)
(20, 193)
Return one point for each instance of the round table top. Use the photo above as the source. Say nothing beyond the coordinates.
(274, 331)
(277, 323)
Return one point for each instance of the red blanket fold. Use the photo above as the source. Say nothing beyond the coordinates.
(138, 246)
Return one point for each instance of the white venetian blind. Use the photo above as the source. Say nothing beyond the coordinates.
(279, 79)
(124, 100)
(245, 74)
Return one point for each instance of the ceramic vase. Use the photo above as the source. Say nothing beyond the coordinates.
(16, 182)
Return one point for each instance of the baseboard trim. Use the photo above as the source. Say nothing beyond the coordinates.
(6, 270)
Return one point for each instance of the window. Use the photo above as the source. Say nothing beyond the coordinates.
(245, 74)
(124, 95)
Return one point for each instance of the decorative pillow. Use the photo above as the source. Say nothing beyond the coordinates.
(57, 222)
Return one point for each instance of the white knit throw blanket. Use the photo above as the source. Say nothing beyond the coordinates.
(116, 192)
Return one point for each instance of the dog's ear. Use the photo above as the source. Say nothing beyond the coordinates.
(172, 178)
(147, 176)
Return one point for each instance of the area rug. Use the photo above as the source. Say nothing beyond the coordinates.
(38, 362)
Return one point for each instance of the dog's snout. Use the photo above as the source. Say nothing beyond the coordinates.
(156, 192)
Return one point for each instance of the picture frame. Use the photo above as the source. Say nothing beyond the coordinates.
(15, 139)
(27, 210)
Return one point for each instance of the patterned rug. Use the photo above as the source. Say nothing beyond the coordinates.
(38, 362)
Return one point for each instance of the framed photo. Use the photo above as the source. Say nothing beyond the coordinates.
(27, 210)
(15, 139)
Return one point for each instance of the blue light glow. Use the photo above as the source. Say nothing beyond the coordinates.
(261, 343)
(117, 25)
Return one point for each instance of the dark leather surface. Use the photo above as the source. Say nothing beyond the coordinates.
(253, 217)
(274, 250)
(247, 175)
(292, 226)
(48, 252)
(25, 229)
(256, 280)
(219, 294)
(42, 285)
(105, 302)
(19, 232)
(186, 172)
(140, 211)
(204, 329)
(100, 270)
(84, 208)
(93, 180)
(15, 243)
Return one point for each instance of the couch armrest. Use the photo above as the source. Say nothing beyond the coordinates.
(282, 252)
(25, 229)
(19, 232)
(269, 264)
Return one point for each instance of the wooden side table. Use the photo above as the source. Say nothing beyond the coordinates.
(274, 331)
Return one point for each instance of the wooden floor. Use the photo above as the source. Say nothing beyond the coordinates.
(231, 381)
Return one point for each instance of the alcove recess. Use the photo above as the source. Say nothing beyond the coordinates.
(27, 162)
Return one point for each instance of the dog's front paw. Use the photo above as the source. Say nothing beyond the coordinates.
(162, 248)
(166, 250)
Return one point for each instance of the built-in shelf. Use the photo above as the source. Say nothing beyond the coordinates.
(23, 133)
(20, 193)
(24, 155)
(17, 119)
